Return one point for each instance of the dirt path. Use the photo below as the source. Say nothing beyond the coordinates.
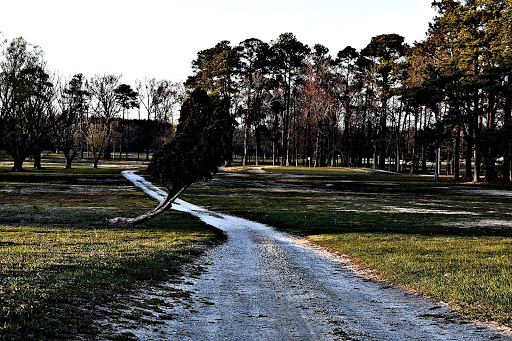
(266, 285)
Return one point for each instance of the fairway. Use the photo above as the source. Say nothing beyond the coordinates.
(447, 240)
(62, 270)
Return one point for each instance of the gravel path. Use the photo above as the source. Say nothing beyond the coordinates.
(266, 285)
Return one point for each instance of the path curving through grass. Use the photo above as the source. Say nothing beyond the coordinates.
(266, 285)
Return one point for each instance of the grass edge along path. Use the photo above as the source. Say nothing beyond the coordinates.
(415, 232)
(472, 274)
(58, 267)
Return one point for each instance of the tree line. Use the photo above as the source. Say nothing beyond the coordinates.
(40, 111)
(444, 100)
(388, 106)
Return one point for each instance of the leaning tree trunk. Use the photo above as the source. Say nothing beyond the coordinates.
(162, 207)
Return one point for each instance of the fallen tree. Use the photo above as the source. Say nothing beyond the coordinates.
(201, 144)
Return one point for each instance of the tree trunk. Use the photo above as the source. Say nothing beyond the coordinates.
(295, 136)
(317, 150)
(37, 161)
(397, 159)
(437, 170)
(273, 153)
(468, 165)
(285, 156)
(162, 207)
(490, 154)
(68, 159)
(284, 143)
(381, 155)
(257, 140)
(246, 145)
(507, 118)
(456, 155)
(287, 147)
(476, 170)
(423, 160)
(415, 165)
(369, 144)
(448, 163)
(469, 154)
(375, 157)
(18, 164)
(490, 169)
(383, 132)
(476, 153)
(148, 137)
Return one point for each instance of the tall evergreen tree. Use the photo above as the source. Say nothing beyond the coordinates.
(202, 143)
(288, 53)
(387, 52)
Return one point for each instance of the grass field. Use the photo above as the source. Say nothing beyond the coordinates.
(449, 241)
(59, 266)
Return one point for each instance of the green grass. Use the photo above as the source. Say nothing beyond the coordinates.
(58, 265)
(447, 240)
(472, 273)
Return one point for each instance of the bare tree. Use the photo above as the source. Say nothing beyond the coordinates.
(161, 99)
(146, 91)
(169, 97)
(72, 107)
(26, 102)
(105, 106)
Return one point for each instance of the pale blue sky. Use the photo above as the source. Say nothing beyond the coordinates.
(159, 38)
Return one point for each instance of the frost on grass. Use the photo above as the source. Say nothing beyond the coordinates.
(491, 192)
(409, 210)
(479, 223)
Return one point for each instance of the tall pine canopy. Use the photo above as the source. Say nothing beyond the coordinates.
(202, 143)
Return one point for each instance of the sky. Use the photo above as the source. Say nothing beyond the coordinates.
(161, 38)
